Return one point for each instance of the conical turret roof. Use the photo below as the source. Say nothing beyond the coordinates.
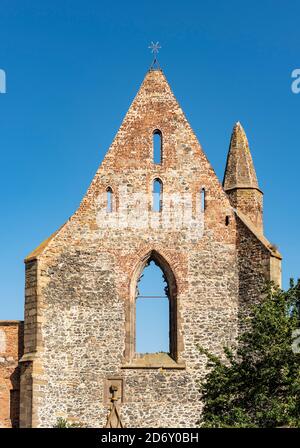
(239, 171)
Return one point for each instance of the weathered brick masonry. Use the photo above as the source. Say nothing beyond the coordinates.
(79, 333)
(11, 349)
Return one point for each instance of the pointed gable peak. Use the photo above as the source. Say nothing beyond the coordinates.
(154, 84)
(154, 90)
(154, 108)
(239, 171)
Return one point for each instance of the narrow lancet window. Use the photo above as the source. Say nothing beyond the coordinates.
(109, 200)
(202, 200)
(157, 147)
(157, 195)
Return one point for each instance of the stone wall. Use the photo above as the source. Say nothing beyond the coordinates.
(84, 332)
(11, 347)
(250, 202)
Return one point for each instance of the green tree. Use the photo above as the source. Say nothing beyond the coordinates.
(258, 384)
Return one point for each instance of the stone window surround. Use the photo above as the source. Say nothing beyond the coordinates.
(132, 360)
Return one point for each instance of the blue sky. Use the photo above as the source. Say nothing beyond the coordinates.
(73, 68)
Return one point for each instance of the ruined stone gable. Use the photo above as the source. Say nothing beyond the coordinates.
(80, 359)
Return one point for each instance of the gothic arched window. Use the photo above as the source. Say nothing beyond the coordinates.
(202, 200)
(152, 313)
(109, 200)
(157, 146)
(157, 189)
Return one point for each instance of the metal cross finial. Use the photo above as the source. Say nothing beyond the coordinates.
(155, 50)
(154, 47)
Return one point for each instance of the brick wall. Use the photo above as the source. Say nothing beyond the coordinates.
(11, 348)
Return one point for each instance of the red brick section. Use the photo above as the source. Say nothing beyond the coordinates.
(11, 349)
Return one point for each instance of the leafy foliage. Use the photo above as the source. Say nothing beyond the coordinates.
(258, 384)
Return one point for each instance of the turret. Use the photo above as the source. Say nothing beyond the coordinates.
(240, 181)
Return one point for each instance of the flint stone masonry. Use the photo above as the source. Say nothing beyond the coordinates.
(80, 289)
